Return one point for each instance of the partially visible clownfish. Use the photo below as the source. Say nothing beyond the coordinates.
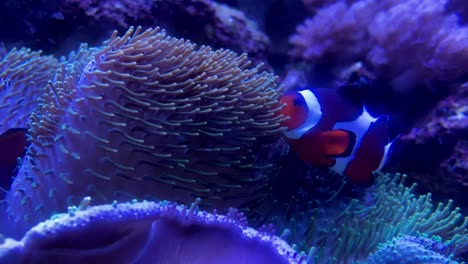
(13, 145)
(332, 128)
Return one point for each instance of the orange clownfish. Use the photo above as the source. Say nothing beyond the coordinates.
(13, 144)
(332, 128)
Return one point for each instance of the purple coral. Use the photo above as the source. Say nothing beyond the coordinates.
(121, 11)
(417, 40)
(448, 118)
(321, 36)
(456, 166)
(56, 27)
(408, 42)
(147, 232)
(218, 25)
(313, 5)
(440, 138)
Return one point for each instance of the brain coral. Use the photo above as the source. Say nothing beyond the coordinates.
(149, 116)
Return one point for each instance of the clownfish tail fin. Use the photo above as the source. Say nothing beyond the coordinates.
(389, 159)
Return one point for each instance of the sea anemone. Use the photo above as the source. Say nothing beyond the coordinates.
(345, 231)
(23, 75)
(149, 116)
(412, 250)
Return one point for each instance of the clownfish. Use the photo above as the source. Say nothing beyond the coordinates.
(332, 128)
(13, 144)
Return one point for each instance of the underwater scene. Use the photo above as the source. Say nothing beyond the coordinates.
(234, 131)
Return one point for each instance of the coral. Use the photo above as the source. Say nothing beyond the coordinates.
(121, 11)
(460, 7)
(149, 116)
(219, 25)
(342, 231)
(456, 166)
(448, 118)
(411, 46)
(401, 40)
(57, 26)
(23, 75)
(436, 145)
(313, 5)
(319, 38)
(235, 31)
(411, 250)
(146, 232)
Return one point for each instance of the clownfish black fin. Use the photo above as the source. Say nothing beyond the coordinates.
(337, 143)
(354, 89)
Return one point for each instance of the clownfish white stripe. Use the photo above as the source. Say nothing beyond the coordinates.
(359, 127)
(313, 116)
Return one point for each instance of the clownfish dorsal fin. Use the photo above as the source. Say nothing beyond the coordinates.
(337, 143)
(354, 89)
